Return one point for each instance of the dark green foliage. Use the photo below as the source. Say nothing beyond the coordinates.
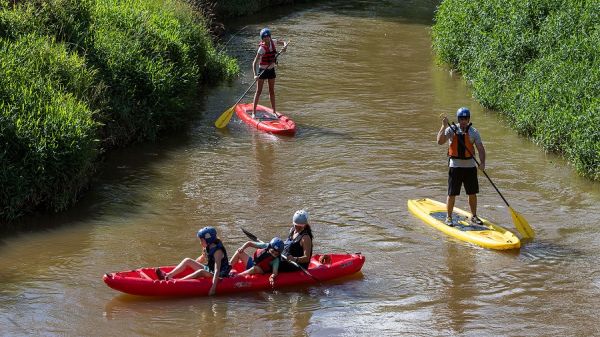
(538, 62)
(46, 129)
(75, 74)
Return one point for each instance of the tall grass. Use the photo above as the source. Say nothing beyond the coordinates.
(536, 61)
(152, 55)
(47, 133)
(80, 76)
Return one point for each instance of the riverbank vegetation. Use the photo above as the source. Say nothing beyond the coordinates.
(536, 61)
(80, 76)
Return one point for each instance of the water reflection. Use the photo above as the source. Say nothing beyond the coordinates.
(461, 288)
(263, 146)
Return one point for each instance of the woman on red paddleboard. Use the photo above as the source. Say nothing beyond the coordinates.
(265, 59)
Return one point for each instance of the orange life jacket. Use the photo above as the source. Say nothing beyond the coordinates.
(269, 56)
(457, 149)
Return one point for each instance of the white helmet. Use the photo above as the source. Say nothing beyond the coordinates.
(300, 217)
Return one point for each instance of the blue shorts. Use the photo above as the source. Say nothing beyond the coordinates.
(250, 263)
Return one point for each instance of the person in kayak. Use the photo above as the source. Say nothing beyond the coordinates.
(298, 246)
(462, 167)
(266, 59)
(212, 263)
(264, 260)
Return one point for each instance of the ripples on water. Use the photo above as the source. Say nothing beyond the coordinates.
(360, 81)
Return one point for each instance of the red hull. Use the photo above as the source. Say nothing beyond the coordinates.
(144, 282)
(265, 120)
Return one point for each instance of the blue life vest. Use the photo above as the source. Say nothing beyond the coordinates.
(210, 253)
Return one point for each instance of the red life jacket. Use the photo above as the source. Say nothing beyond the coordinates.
(269, 56)
(457, 149)
(262, 258)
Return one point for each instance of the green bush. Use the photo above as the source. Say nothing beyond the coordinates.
(535, 61)
(73, 71)
(152, 55)
(47, 132)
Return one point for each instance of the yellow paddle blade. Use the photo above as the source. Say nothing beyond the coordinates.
(224, 119)
(521, 224)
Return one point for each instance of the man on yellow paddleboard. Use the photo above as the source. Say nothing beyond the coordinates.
(463, 139)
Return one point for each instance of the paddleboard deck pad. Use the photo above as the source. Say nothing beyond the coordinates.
(488, 235)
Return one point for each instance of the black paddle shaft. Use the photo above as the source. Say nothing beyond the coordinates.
(454, 128)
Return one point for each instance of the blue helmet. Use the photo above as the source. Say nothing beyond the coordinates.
(300, 217)
(265, 32)
(277, 244)
(208, 233)
(463, 112)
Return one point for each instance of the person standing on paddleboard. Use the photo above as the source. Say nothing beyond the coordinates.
(265, 59)
(463, 139)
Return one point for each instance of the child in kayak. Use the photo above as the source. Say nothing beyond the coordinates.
(265, 259)
(212, 263)
(265, 58)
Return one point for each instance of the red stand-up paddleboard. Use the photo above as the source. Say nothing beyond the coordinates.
(265, 120)
(144, 281)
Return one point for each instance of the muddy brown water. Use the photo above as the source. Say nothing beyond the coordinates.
(361, 82)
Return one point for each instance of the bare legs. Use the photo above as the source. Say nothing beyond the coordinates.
(239, 255)
(272, 95)
(451, 199)
(450, 205)
(193, 264)
(259, 88)
(473, 203)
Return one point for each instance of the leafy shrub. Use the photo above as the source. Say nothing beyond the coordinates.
(77, 72)
(46, 132)
(535, 61)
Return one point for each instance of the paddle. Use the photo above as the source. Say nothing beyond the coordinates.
(520, 223)
(254, 238)
(225, 117)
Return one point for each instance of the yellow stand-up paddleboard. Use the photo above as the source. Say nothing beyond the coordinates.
(487, 235)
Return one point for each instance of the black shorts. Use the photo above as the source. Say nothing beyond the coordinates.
(457, 176)
(267, 74)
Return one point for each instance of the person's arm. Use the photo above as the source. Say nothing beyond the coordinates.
(481, 151)
(254, 63)
(306, 244)
(441, 136)
(218, 258)
(275, 266)
(202, 258)
(250, 244)
(282, 43)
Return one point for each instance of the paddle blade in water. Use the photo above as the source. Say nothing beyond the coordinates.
(224, 119)
(521, 224)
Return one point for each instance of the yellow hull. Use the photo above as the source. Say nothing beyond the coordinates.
(488, 236)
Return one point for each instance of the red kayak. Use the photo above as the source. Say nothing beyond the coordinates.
(144, 282)
(265, 120)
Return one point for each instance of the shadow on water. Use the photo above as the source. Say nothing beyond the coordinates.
(550, 252)
(121, 172)
(313, 131)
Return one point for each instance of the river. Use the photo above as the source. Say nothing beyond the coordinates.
(360, 80)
